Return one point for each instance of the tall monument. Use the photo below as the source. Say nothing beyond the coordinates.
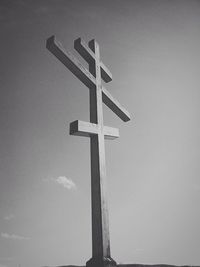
(97, 132)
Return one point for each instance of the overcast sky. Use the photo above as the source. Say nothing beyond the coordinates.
(152, 49)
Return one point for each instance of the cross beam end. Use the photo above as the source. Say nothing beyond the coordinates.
(49, 42)
(82, 128)
(110, 133)
(115, 106)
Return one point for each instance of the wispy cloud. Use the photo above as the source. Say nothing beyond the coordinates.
(65, 182)
(13, 237)
(9, 217)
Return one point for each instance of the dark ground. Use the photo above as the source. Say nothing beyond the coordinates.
(139, 265)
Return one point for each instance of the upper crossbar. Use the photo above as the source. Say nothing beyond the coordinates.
(71, 62)
(85, 51)
(83, 74)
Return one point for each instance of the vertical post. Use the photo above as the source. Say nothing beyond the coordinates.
(100, 225)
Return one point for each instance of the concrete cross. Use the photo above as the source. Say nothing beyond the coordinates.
(97, 132)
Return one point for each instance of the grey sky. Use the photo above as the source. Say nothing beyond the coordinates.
(152, 49)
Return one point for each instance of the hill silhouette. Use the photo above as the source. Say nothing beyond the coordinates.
(136, 265)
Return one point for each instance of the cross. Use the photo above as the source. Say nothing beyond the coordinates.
(97, 132)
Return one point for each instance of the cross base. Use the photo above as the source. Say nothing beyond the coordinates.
(101, 262)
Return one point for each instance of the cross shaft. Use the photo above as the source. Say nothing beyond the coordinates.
(100, 225)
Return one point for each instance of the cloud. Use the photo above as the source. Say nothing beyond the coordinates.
(66, 182)
(63, 181)
(13, 237)
(1, 265)
(9, 217)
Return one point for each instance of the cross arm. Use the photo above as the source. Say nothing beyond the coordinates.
(110, 133)
(83, 49)
(114, 105)
(88, 129)
(70, 62)
(82, 128)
